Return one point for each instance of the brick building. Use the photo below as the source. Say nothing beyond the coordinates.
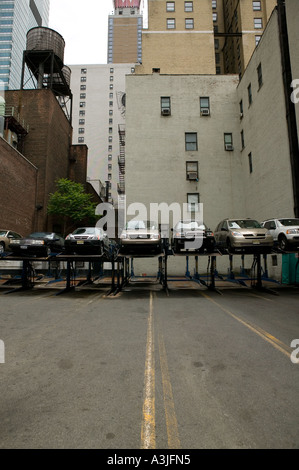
(37, 159)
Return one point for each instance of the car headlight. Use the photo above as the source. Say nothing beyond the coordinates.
(291, 231)
(15, 242)
(236, 234)
(38, 242)
(179, 234)
(155, 236)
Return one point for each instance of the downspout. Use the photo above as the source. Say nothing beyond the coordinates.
(290, 106)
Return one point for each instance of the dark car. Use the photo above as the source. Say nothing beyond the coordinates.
(87, 240)
(191, 235)
(38, 243)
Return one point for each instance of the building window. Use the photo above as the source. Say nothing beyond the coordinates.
(81, 121)
(83, 70)
(215, 17)
(193, 201)
(81, 130)
(111, 78)
(82, 96)
(165, 106)
(191, 141)
(111, 86)
(170, 6)
(110, 103)
(257, 40)
(189, 23)
(204, 105)
(250, 162)
(111, 70)
(80, 140)
(258, 23)
(81, 113)
(228, 142)
(110, 166)
(82, 104)
(83, 79)
(192, 171)
(109, 158)
(214, 4)
(242, 140)
(82, 87)
(109, 176)
(249, 94)
(170, 23)
(256, 6)
(188, 6)
(260, 75)
(216, 44)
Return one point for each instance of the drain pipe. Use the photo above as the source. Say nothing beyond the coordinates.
(290, 106)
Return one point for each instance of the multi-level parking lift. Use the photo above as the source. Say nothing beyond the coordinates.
(122, 269)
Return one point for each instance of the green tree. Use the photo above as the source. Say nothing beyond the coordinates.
(71, 204)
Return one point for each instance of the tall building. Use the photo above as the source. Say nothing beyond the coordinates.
(98, 113)
(210, 36)
(124, 32)
(238, 27)
(16, 18)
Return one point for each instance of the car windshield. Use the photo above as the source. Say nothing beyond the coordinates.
(246, 223)
(141, 224)
(289, 222)
(3, 233)
(87, 230)
(41, 235)
(190, 225)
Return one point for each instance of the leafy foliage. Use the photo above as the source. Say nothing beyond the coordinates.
(72, 204)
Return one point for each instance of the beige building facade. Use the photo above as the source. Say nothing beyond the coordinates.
(179, 38)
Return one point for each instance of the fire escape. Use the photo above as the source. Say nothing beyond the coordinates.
(121, 162)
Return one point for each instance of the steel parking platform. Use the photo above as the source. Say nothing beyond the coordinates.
(122, 269)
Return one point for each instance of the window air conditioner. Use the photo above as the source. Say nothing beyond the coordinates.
(229, 147)
(192, 175)
(165, 112)
(205, 112)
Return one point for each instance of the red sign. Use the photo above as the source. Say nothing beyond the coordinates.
(127, 3)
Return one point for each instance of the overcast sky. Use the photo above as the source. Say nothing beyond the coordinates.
(83, 24)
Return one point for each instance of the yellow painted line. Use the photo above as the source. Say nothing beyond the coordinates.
(171, 420)
(148, 429)
(276, 343)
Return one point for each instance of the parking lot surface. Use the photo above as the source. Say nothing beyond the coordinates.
(187, 369)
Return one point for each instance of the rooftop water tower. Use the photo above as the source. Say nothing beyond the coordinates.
(44, 57)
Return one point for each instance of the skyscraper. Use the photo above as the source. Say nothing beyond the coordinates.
(16, 18)
(124, 32)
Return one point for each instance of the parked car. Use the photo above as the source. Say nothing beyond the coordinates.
(87, 240)
(38, 243)
(237, 235)
(140, 236)
(191, 235)
(285, 232)
(5, 238)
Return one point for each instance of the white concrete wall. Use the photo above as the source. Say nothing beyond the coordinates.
(96, 135)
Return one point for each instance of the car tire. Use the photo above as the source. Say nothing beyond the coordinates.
(2, 248)
(283, 242)
(48, 251)
(229, 246)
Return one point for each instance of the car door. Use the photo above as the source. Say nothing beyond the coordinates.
(271, 226)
